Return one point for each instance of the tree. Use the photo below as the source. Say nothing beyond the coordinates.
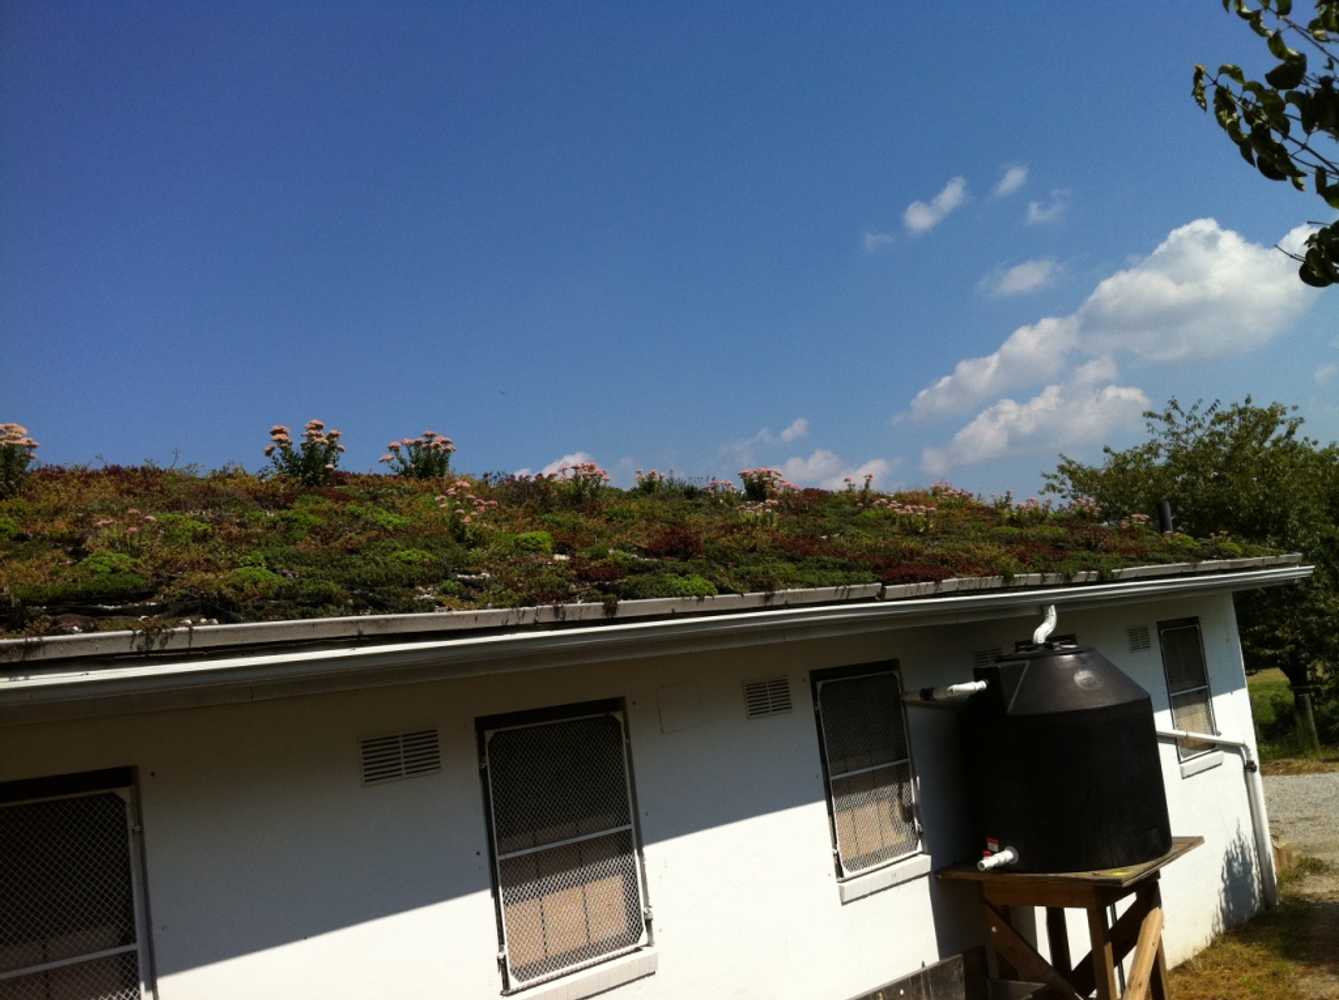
(1248, 471)
(1288, 126)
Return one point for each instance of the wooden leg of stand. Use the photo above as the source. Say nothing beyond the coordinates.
(1145, 956)
(1104, 964)
(1057, 935)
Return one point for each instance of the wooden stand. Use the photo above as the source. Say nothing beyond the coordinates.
(1139, 928)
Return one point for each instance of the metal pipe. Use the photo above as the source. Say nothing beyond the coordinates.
(999, 859)
(1047, 626)
(1255, 799)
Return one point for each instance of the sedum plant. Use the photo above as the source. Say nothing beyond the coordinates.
(312, 461)
(427, 456)
(17, 452)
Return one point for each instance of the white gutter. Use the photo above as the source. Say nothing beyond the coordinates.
(45, 649)
(145, 683)
(1255, 797)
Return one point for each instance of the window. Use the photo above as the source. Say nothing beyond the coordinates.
(867, 765)
(1187, 683)
(70, 879)
(562, 829)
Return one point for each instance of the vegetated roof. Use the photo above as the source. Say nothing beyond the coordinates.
(89, 550)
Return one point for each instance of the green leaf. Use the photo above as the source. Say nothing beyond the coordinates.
(1197, 89)
(1283, 7)
(1280, 48)
(1244, 147)
(1330, 192)
(1234, 71)
(1287, 75)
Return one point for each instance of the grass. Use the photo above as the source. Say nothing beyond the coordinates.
(86, 549)
(1271, 705)
(1272, 956)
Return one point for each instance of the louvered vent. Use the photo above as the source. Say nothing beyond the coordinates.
(404, 755)
(1140, 638)
(770, 697)
(984, 657)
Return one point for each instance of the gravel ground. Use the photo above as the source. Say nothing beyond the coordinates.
(1304, 811)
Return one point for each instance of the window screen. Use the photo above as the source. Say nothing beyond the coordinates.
(68, 926)
(564, 840)
(1187, 683)
(862, 730)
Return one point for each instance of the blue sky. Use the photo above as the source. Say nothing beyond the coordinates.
(662, 236)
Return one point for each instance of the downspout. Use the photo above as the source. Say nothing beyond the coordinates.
(1255, 798)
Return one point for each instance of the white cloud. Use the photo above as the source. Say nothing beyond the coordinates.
(874, 242)
(1013, 178)
(1205, 292)
(921, 217)
(1050, 210)
(1029, 276)
(575, 458)
(1325, 373)
(828, 470)
(744, 452)
(1031, 354)
(1059, 416)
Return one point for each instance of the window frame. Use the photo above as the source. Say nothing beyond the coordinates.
(485, 728)
(121, 782)
(1174, 624)
(817, 678)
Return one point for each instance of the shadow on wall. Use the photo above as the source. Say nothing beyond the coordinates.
(1239, 896)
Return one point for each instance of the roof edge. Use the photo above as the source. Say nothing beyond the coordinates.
(203, 638)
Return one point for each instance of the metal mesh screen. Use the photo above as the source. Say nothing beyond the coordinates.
(562, 828)
(869, 770)
(1191, 712)
(1183, 657)
(115, 977)
(874, 816)
(68, 891)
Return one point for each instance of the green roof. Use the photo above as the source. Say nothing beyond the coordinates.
(84, 550)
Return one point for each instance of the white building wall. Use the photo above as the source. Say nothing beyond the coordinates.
(270, 865)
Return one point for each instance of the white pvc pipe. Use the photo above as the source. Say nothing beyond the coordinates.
(997, 860)
(1047, 626)
(1255, 799)
(964, 690)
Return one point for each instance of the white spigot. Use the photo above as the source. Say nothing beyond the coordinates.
(999, 859)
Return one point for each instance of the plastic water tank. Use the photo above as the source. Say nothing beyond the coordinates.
(1063, 763)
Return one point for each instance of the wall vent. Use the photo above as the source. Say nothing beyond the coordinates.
(1140, 638)
(984, 657)
(403, 755)
(769, 697)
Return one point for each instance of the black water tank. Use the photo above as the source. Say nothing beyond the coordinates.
(1063, 762)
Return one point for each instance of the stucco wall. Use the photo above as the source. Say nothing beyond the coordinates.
(270, 865)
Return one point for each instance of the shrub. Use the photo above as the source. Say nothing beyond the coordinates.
(427, 456)
(313, 461)
(535, 541)
(17, 452)
(668, 585)
(763, 484)
(583, 481)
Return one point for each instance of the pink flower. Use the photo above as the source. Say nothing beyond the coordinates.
(394, 446)
(386, 458)
(269, 450)
(278, 429)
